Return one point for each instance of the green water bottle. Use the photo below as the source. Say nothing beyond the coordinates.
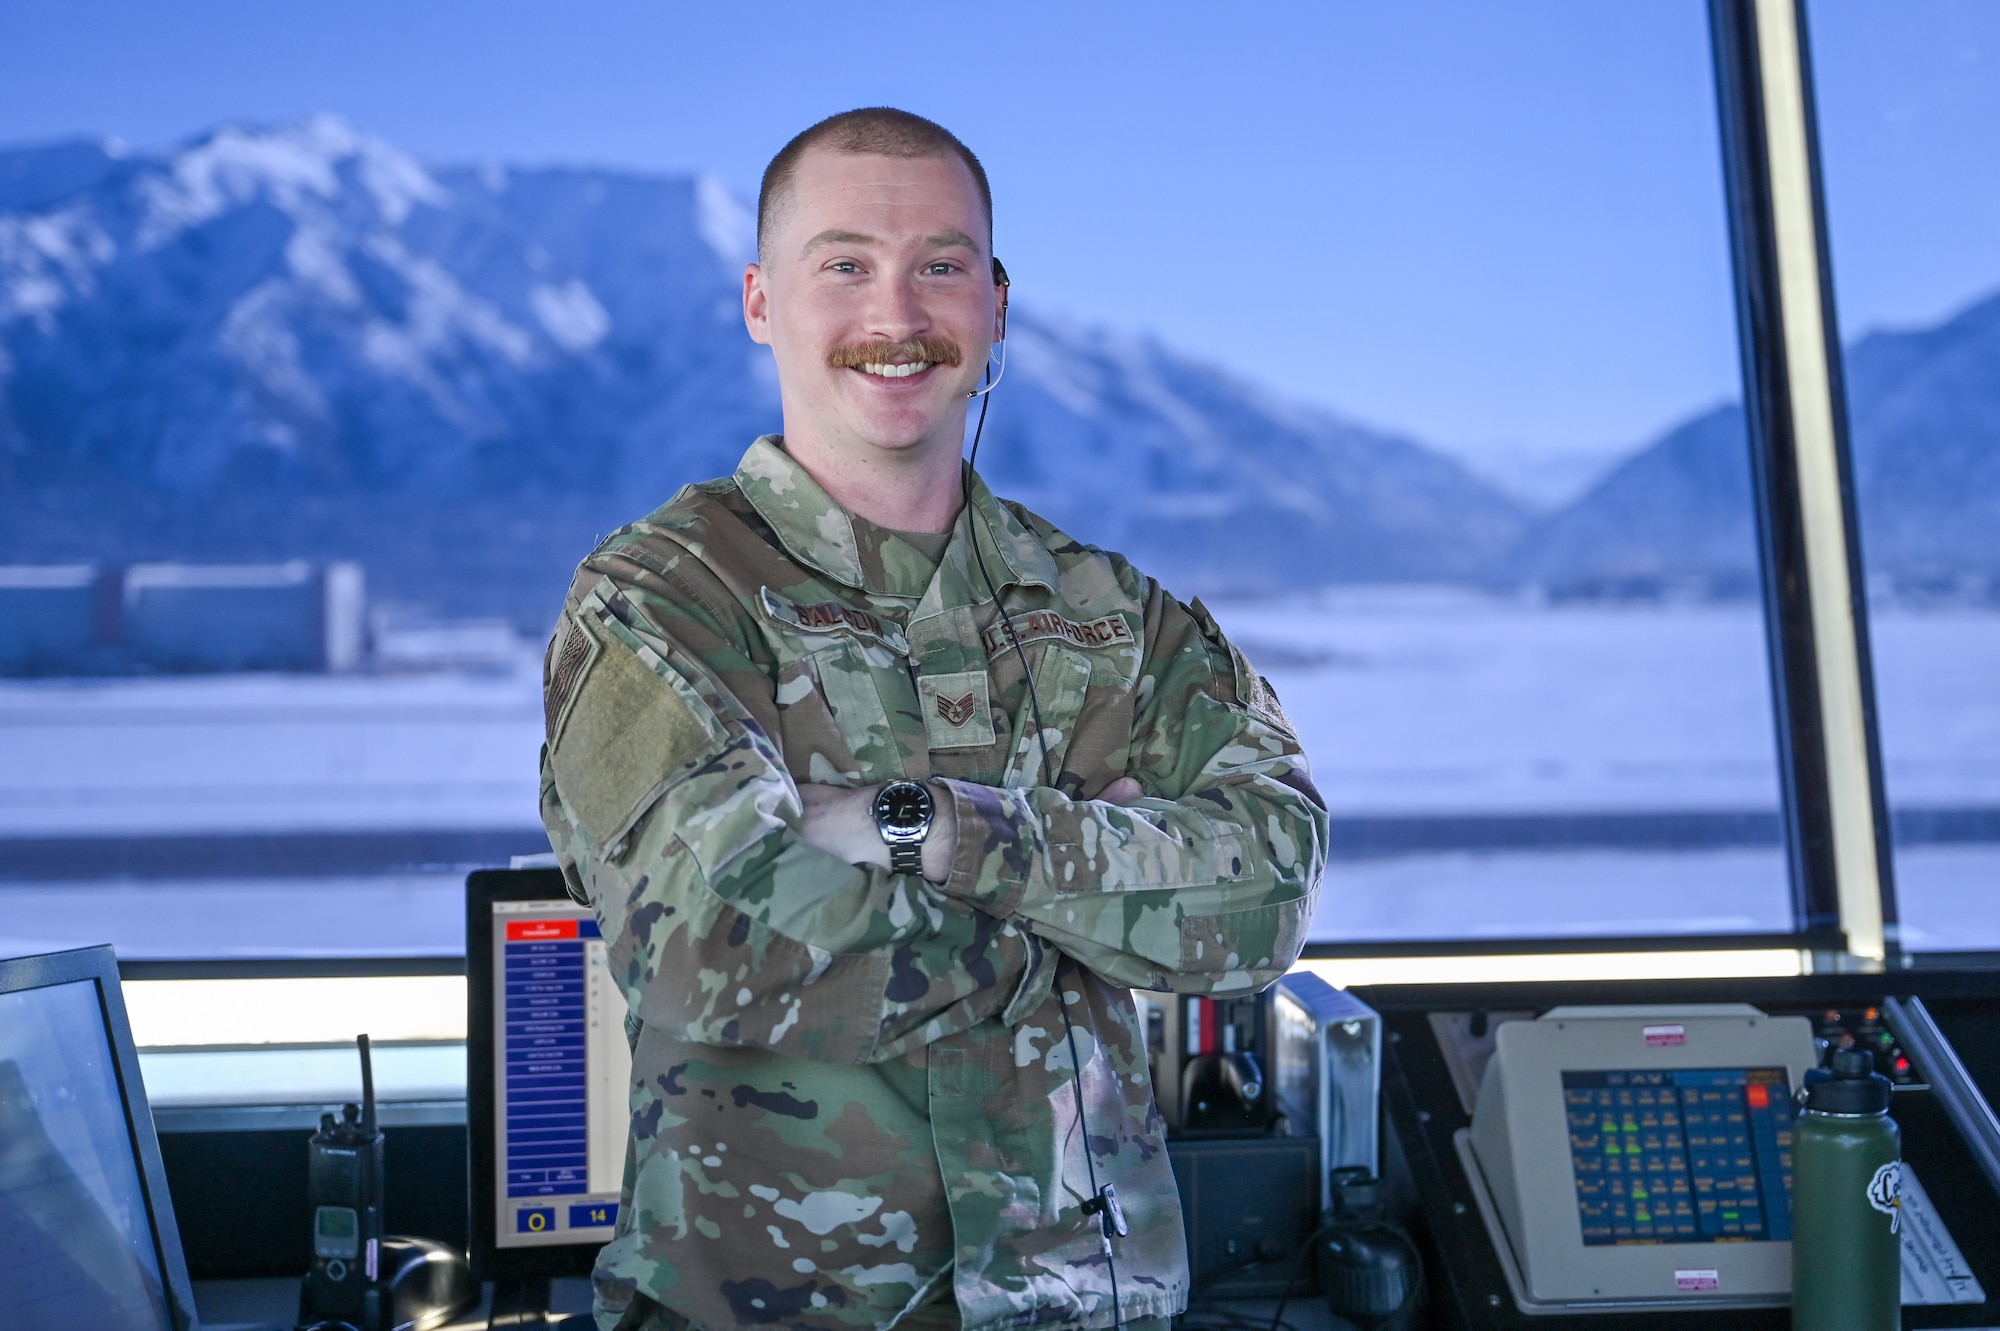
(1847, 1268)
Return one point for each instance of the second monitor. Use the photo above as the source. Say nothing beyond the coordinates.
(1626, 1157)
(548, 1073)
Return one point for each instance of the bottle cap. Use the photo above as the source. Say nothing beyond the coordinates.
(1850, 1085)
(1357, 1194)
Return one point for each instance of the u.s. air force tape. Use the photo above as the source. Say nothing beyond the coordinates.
(1110, 631)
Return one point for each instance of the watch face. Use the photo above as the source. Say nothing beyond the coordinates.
(903, 806)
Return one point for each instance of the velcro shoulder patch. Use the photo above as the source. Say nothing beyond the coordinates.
(1253, 691)
(1256, 693)
(624, 734)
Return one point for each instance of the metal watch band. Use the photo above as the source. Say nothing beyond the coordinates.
(906, 856)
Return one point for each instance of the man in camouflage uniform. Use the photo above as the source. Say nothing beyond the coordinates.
(860, 1097)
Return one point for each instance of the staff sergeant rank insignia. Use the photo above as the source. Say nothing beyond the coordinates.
(957, 710)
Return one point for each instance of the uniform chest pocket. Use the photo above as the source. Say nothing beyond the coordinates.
(1062, 680)
(814, 746)
(835, 660)
(848, 674)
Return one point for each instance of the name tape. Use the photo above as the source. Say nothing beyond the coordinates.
(830, 617)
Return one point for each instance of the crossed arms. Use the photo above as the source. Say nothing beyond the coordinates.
(743, 907)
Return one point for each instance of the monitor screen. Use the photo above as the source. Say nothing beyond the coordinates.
(1681, 1155)
(561, 1072)
(77, 1246)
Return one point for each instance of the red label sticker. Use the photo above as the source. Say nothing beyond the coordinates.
(1697, 1282)
(1657, 1036)
(519, 931)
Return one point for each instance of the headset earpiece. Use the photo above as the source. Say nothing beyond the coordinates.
(992, 378)
(1000, 280)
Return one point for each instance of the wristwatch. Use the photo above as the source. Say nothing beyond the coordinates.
(903, 814)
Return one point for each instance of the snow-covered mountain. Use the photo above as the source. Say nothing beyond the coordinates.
(300, 340)
(1924, 419)
(309, 308)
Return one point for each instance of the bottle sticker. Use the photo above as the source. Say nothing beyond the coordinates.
(1697, 1282)
(1885, 1193)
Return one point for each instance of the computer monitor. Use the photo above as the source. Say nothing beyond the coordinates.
(548, 1075)
(87, 1235)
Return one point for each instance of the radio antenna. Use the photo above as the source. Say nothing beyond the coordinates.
(367, 1088)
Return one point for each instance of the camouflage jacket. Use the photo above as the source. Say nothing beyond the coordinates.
(855, 1091)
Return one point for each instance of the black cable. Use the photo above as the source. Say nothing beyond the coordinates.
(1048, 779)
(972, 532)
(1229, 1320)
(1298, 1265)
(1216, 1275)
(1296, 1262)
(1395, 1321)
(1089, 1164)
(1224, 1319)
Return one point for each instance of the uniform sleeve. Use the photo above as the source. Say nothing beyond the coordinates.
(670, 809)
(1205, 886)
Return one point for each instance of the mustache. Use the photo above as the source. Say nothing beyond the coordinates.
(936, 350)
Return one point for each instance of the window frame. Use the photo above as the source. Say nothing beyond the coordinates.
(1809, 552)
(1809, 555)
(1795, 407)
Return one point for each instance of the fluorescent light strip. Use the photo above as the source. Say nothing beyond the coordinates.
(1344, 972)
(179, 1023)
(322, 1010)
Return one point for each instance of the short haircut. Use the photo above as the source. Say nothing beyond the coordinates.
(881, 131)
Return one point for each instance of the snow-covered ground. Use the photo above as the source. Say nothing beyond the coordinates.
(1414, 703)
(1438, 701)
(270, 753)
(1441, 701)
(414, 914)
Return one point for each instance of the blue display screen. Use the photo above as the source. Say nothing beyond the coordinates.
(546, 1012)
(76, 1239)
(1682, 1156)
(562, 1077)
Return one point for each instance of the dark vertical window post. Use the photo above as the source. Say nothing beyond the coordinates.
(1795, 407)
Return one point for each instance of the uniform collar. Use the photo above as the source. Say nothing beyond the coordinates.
(821, 534)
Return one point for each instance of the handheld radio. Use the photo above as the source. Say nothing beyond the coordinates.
(345, 1187)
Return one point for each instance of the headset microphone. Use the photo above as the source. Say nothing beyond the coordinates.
(993, 378)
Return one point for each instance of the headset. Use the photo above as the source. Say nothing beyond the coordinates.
(1103, 1201)
(993, 377)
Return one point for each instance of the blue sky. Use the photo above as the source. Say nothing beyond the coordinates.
(1498, 227)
